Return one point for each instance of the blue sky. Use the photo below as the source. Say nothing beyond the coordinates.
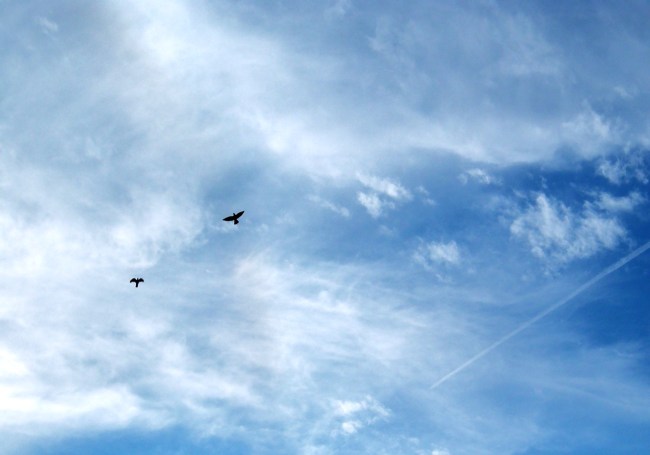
(420, 180)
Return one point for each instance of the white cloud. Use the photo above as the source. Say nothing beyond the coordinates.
(344, 212)
(192, 103)
(12, 365)
(619, 204)
(383, 196)
(479, 175)
(104, 407)
(525, 49)
(47, 25)
(373, 204)
(351, 426)
(358, 414)
(556, 233)
(469, 86)
(623, 169)
(612, 171)
(339, 8)
(40, 240)
(348, 408)
(385, 186)
(426, 197)
(438, 253)
(590, 131)
(203, 349)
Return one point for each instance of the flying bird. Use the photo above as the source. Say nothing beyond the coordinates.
(136, 281)
(234, 217)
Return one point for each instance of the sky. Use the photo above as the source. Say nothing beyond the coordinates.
(444, 245)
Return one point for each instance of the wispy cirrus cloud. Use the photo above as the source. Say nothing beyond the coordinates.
(355, 415)
(438, 253)
(615, 204)
(48, 25)
(384, 194)
(591, 131)
(478, 175)
(555, 232)
(624, 169)
(343, 211)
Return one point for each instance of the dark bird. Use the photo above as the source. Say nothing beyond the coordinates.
(234, 217)
(136, 281)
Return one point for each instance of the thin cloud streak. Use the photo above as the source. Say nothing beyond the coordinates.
(612, 268)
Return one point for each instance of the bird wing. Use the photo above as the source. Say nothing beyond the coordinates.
(133, 280)
(229, 218)
(239, 214)
(141, 280)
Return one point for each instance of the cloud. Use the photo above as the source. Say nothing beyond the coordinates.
(385, 186)
(556, 233)
(339, 8)
(438, 253)
(373, 204)
(514, 66)
(259, 91)
(47, 25)
(426, 197)
(42, 231)
(344, 212)
(351, 427)
(478, 175)
(176, 352)
(349, 408)
(279, 334)
(624, 168)
(385, 193)
(615, 204)
(104, 408)
(358, 414)
(591, 132)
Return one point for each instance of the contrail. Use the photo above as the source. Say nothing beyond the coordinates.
(612, 268)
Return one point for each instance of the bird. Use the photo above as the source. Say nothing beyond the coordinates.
(234, 217)
(136, 281)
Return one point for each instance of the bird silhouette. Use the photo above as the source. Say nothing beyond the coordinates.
(136, 281)
(234, 217)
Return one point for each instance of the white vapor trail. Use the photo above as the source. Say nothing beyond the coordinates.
(612, 268)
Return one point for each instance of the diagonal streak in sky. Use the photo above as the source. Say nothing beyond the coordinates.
(612, 268)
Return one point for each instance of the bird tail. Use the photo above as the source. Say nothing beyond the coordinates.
(236, 221)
